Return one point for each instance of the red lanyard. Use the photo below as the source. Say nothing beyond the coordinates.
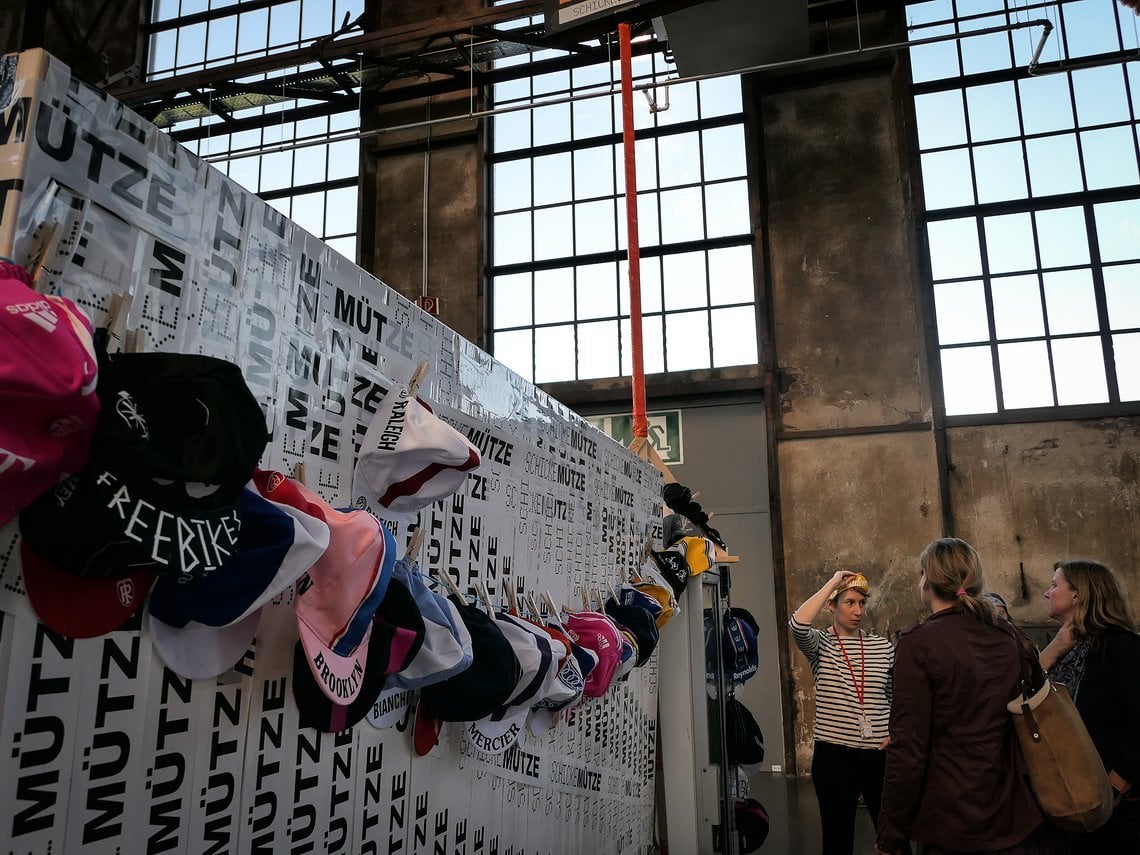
(862, 684)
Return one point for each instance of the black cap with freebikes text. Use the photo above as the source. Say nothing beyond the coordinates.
(178, 437)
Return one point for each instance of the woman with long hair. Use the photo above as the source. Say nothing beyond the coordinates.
(954, 780)
(1096, 656)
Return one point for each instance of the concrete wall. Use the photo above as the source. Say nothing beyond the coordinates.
(1028, 495)
(858, 474)
(859, 481)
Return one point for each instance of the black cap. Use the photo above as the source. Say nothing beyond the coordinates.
(483, 688)
(639, 622)
(178, 437)
(672, 565)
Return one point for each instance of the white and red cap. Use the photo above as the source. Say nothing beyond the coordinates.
(48, 405)
(597, 633)
(409, 458)
(339, 595)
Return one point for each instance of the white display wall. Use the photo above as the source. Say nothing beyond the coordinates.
(102, 749)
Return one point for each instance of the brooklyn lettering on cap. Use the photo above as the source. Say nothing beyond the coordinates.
(185, 544)
(394, 427)
(343, 687)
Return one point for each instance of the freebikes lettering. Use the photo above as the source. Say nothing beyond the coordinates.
(342, 687)
(184, 544)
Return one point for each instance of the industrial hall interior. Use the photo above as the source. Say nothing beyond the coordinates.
(542, 427)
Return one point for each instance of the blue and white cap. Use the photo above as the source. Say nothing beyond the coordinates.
(201, 626)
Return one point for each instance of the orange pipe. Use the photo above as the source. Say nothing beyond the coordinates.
(640, 422)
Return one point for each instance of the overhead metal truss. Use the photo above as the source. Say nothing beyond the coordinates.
(346, 72)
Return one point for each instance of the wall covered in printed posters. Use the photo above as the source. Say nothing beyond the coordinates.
(102, 749)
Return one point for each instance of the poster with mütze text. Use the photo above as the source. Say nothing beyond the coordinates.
(102, 748)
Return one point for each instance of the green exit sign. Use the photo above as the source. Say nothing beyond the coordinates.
(664, 432)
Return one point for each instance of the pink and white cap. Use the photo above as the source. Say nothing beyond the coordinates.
(597, 633)
(409, 458)
(339, 595)
(48, 405)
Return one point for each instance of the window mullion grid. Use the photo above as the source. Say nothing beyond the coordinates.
(1044, 305)
(1103, 322)
(705, 229)
(988, 293)
(1077, 128)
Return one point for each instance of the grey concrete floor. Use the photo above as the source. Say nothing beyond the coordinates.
(791, 805)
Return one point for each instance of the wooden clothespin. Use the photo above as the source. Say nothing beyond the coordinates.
(535, 611)
(555, 613)
(485, 597)
(449, 583)
(415, 543)
(299, 473)
(584, 593)
(417, 378)
(116, 325)
(38, 258)
(613, 593)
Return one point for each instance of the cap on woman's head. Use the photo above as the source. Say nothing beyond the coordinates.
(858, 582)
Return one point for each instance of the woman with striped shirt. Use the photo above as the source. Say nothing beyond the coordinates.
(852, 671)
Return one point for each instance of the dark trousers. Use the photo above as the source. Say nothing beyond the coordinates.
(1120, 834)
(839, 775)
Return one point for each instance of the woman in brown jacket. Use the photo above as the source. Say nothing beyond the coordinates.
(953, 779)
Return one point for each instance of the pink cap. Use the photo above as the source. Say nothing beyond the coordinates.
(596, 633)
(339, 595)
(48, 405)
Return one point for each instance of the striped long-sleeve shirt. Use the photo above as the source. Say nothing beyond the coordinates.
(837, 712)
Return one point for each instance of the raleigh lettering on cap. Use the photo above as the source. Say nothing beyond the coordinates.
(394, 427)
(182, 543)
